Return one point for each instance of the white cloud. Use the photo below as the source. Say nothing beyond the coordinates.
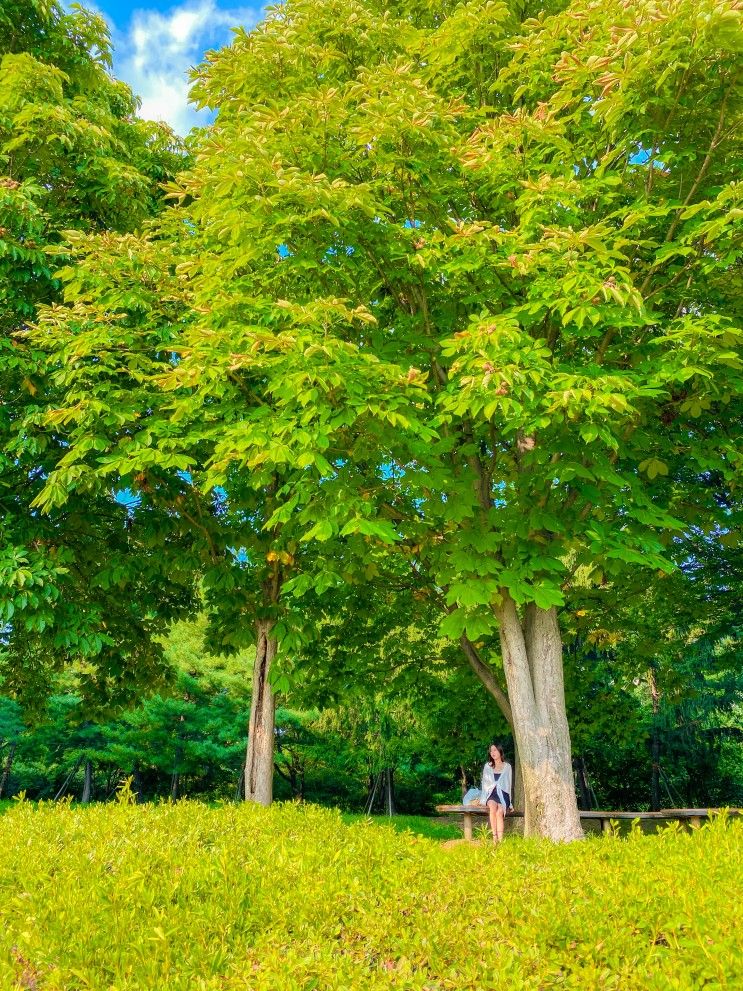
(154, 53)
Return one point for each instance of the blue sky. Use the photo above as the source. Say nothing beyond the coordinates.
(156, 42)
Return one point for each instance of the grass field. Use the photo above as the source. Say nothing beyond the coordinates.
(431, 828)
(190, 898)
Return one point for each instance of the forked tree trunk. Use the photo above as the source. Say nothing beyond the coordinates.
(532, 661)
(259, 759)
(487, 676)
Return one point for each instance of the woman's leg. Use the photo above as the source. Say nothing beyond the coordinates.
(500, 822)
(493, 814)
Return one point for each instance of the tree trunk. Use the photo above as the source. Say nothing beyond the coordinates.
(87, 783)
(389, 796)
(175, 780)
(580, 773)
(240, 783)
(7, 768)
(532, 662)
(487, 676)
(654, 743)
(259, 759)
(463, 783)
(518, 778)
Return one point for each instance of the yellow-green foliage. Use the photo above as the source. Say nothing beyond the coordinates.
(188, 898)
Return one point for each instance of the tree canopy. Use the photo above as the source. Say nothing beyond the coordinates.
(74, 156)
(450, 290)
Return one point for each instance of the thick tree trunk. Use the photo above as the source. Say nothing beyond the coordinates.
(7, 768)
(259, 759)
(87, 783)
(532, 662)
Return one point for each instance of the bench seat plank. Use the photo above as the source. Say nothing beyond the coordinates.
(694, 816)
(599, 813)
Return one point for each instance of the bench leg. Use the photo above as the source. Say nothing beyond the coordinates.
(468, 825)
(606, 825)
(695, 822)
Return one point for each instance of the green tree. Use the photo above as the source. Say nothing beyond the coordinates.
(543, 224)
(73, 157)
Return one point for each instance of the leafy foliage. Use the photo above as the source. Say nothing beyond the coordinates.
(73, 157)
(311, 902)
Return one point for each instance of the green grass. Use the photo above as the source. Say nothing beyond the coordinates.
(432, 829)
(241, 898)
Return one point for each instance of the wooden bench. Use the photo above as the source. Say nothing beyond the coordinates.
(692, 816)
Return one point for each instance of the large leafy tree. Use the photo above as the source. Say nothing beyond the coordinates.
(73, 157)
(229, 417)
(542, 221)
(486, 257)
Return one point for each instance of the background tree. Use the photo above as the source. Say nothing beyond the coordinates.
(73, 157)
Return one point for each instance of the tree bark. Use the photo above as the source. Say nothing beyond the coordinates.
(532, 662)
(87, 783)
(7, 768)
(463, 783)
(261, 732)
(654, 743)
(175, 779)
(580, 772)
(487, 676)
(389, 795)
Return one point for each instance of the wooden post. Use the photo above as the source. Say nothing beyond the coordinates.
(468, 825)
(695, 822)
(606, 826)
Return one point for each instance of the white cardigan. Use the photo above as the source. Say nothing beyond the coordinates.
(504, 783)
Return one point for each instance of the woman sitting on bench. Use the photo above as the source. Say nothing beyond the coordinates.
(496, 789)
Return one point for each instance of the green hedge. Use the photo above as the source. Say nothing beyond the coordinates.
(190, 898)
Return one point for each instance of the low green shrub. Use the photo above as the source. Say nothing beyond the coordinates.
(189, 898)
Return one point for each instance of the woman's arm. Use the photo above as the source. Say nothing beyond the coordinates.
(484, 790)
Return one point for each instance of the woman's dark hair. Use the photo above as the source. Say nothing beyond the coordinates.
(499, 748)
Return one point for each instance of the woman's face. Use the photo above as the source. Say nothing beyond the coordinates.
(494, 753)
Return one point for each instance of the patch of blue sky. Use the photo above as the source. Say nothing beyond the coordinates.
(239, 556)
(157, 42)
(127, 498)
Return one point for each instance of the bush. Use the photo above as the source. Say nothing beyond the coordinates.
(189, 898)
